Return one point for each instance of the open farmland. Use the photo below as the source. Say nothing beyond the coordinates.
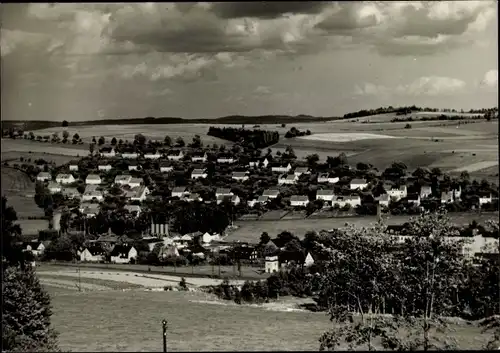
(104, 317)
(151, 132)
(250, 231)
(13, 149)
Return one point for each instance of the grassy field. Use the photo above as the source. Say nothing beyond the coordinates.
(250, 231)
(20, 190)
(102, 321)
(151, 132)
(34, 150)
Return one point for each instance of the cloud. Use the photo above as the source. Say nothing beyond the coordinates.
(262, 90)
(490, 79)
(350, 16)
(266, 9)
(423, 86)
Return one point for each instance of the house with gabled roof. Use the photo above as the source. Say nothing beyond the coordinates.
(360, 184)
(225, 158)
(179, 191)
(152, 154)
(328, 178)
(240, 176)
(43, 176)
(54, 187)
(93, 253)
(288, 179)
(175, 155)
(104, 166)
(396, 192)
(73, 166)
(65, 178)
(199, 156)
(325, 195)
(341, 201)
(93, 179)
(91, 192)
(123, 179)
(138, 193)
(199, 174)
(71, 193)
(107, 152)
(166, 167)
(89, 210)
(129, 153)
(301, 170)
(123, 254)
(383, 200)
(272, 193)
(425, 191)
(257, 162)
(223, 192)
(133, 166)
(299, 200)
(281, 167)
(485, 198)
(234, 199)
(135, 182)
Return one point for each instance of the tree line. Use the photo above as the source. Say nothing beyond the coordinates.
(250, 138)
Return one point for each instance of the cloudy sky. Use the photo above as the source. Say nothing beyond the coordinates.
(85, 61)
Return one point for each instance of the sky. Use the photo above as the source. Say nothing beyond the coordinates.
(204, 60)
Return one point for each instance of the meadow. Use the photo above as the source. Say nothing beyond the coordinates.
(117, 320)
(250, 231)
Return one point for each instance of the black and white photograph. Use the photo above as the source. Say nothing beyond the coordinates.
(250, 176)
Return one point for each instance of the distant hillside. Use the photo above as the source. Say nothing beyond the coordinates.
(413, 109)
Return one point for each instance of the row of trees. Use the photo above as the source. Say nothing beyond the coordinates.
(294, 132)
(250, 138)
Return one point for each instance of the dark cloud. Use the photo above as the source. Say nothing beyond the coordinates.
(267, 9)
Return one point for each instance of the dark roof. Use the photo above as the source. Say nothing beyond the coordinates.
(279, 242)
(291, 256)
(96, 249)
(106, 149)
(121, 250)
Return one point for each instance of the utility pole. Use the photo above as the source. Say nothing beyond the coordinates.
(164, 325)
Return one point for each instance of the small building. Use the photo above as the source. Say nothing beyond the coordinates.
(94, 253)
(447, 197)
(414, 199)
(135, 182)
(65, 179)
(179, 191)
(175, 155)
(301, 170)
(397, 193)
(325, 195)
(91, 193)
(425, 191)
(93, 179)
(199, 157)
(129, 154)
(271, 193)
(71, 193)
(234, 199)
(342, 201)
(225, 158)
(289, 179)
(152, 154)
(133, 209)
(192, 197)
(43, 176)
(485, 199)
(37, 248)
(165, 167)
(89, 210)
(272, 264)
(54, 188)
(123, 179)
(123, 254)
(240, 176)
(138, 193)
(223, 192)
(73, 166)
(360, 184)
(133, 166)
(107, 152)
(327, 178)
(104, 166)
(281, 167)
(299, 200)
(262, 200)
(383, 200)
(199, 173)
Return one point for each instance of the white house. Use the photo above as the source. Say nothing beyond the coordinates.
(485, 199)
(240, 176)
(179, 191)
(341, 201)
(287, 179)
(358, 184)
(272, 264)
(91, 193)
(414, 199)
(54, 187)
(36, 247)
(447, 197)
(166, 167)
(225, 158)
(73, 166)
(135, 182)
(133, 166)
(123, 254)
(133, 209)
(199, 173)
(175, 155)
(328, 178)
(207, 238)
(123, 179)
(425, 191)
(457, 192)
(301, 170)
(43, 176)
(71, 193)
(104, 166)
(309, 260)
(299, 200)
(383, 200)
(281, 167)
(92, 254)
(199, 157)
(107, 152)
(154, 154)
(397, 193)
(223, 192)
(65, 179)
(272, 193)
(234, 199)
(138, 193)
(93, 179)
(325, 195)
(130, 154)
